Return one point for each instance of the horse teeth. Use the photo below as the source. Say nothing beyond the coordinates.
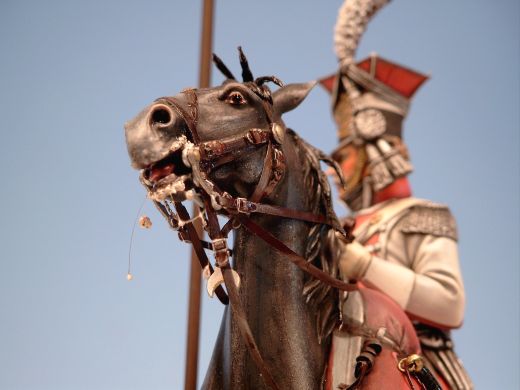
(170, 185)
(178, 143)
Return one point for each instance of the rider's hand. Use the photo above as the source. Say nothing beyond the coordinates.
(354, 261)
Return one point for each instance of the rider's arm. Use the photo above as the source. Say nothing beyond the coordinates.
(416, 264)
(425, 279)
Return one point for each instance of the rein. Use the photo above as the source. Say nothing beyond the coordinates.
(203, 157)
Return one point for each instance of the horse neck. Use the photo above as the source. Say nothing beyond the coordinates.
(271, 292)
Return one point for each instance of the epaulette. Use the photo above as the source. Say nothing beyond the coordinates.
(430, 218)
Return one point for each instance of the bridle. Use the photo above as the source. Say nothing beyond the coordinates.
(203, 157)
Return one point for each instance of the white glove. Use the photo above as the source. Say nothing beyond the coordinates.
(354, 261)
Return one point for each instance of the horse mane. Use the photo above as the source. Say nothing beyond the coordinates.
(317, 294)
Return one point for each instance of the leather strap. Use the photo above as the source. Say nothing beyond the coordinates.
(242, 205)
(199, 250)
(183, 236)
(218, 152)
(295, 258)
(231, 224)
(262, 184)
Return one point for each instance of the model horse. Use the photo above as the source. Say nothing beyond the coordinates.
(227, 149)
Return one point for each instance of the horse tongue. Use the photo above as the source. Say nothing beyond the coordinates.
(158, 173)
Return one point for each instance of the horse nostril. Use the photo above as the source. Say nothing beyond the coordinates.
(161, 116)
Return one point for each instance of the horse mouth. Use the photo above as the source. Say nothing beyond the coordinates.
(168, 178)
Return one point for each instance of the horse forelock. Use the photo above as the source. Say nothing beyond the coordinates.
(256, 85)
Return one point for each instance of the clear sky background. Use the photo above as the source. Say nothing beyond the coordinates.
(72, 72)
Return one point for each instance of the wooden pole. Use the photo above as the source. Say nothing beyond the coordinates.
(192, 347)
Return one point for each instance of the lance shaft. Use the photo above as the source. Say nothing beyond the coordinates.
(192, 347)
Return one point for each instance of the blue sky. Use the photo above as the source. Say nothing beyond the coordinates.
(73, 72)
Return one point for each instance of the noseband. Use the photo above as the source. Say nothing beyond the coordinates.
(203, 158)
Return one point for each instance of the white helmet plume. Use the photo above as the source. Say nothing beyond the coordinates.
(353, 17)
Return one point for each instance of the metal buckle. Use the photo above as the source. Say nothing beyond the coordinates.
(278, 133)
(256, 136)
(221, 251)
(411, 363)
(244, 206)
(207, 151)
(219, 244)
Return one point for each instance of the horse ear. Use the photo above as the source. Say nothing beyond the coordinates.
(290, 96)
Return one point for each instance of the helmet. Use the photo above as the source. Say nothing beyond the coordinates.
(370, 100)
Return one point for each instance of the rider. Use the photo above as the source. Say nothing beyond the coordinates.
(405, 247)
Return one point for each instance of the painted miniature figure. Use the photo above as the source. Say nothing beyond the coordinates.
(404, 246)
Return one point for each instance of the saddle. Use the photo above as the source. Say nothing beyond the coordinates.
(374, 329)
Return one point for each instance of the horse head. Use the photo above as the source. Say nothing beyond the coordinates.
(222, 123)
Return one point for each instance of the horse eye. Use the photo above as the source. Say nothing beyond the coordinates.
(236, 99)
